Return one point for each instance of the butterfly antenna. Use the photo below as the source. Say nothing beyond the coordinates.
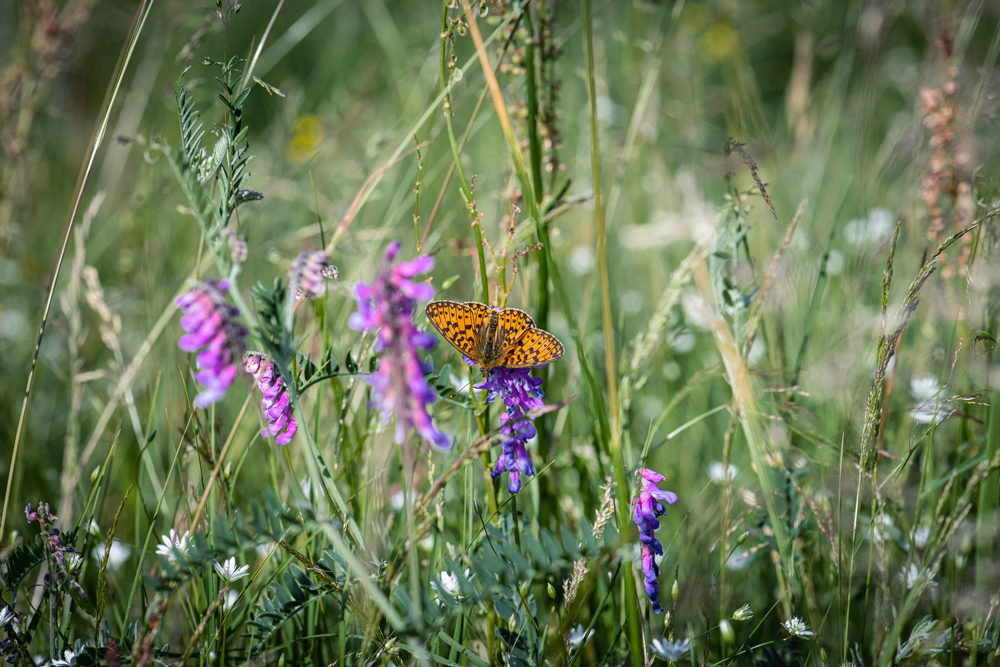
(460, 389)
(480, 376)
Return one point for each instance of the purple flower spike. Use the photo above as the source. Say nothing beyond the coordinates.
(647, 507)
(309, 273)
(276, 405)
(520, 392)
(399, 387)
(213, 331)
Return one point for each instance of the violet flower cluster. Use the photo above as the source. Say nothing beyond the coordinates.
(648, 506)
(67, 561)
(276, 405)
(520, 392)
(398, 384)
(214, 332)
(309, 273)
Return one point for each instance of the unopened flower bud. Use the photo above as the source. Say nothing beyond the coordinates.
(94, 475)
(550, 589)
(726, 630)
(523, 590)
(675, 590)
(512, 622)
(743, 613)
(743, 538)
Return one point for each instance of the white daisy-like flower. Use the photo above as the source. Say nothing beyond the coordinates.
(229, 572)
(874, 229)
(929, 407)
(796, 627)
(173, 544)
(6, 616)
(447, 582)
(230, 601)
(671, 650)
(117, 556)
(744, 613)
(578, 636)
(717, 471)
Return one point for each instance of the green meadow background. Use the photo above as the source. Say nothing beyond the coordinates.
(863, 491)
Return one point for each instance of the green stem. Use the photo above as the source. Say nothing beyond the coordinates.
(617, 456)
(466, 192)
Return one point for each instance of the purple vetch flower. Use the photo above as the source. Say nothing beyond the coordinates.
(66, 572)
(649, 505)
(213, 331)
(276, 405)
(309, 272)
(398, 384)
(520, 392)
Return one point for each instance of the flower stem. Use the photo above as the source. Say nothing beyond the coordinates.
(611, 370)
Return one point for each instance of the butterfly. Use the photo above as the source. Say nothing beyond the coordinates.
(494, 337)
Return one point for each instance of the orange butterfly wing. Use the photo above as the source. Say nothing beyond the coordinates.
(460, 324)
(519, 343)
(535, 348)
(511, 328)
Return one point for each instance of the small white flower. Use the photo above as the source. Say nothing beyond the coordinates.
(744, 613)
(875, 228)
(69, 658)
(229, 572)
(230, 601)
(6, 616)
(929, 408)
(920, 536)
(73, 562)
(671, 650)
(577, 637)
(117, 556)
(796, 627)
(264, 550)
(396, 500)
(93, 528)
(909, 575)
(739, 560)
(717, 471)
(697, 313)
(447, 582)
(173, 544)
(882, 522)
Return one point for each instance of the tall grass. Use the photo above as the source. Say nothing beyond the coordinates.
(767, 240)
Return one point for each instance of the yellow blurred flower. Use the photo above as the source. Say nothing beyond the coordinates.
(717, 42)
(308, 136)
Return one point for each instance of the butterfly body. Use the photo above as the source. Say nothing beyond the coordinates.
(494, 337)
